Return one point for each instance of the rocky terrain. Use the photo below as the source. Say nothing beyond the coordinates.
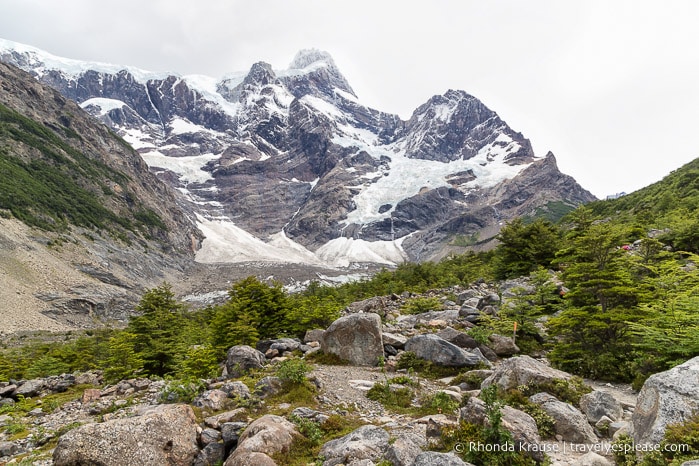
(254, 413)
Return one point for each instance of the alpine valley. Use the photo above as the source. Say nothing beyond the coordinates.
(288, 167)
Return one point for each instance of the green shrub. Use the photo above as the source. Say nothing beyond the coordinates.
(395, 398)
(441, 403)
(421, 305)
(293, 371)
(182, 391)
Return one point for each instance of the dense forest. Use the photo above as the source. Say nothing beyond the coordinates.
(628, 306)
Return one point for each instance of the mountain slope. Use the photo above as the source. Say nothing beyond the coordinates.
(106, 227)
(289, 165)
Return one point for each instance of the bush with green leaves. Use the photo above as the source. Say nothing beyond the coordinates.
(293, 371)
(391, 397)
(421, 305)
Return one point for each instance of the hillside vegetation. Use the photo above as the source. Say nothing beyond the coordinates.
(629, 304)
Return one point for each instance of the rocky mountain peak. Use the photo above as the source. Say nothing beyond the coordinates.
(314, 72)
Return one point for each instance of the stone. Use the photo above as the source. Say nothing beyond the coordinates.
(211, 400)
(668, 397)
(241, 359)
(249, 458)
(216, 421)
(376, 305)
(29, 388)
(592, 459)
(166, 434)
(569, 422)
(355, 338)
(433, 458)
(90, 395)
(460, 339)
(503, 346)
(230, 433)
(209, 435)
(365, 443)
(313, 335)
(597, 404)
(267, 435)
(404, 450)
(523, 370)
(522, 426)
(396, 340)
(487, 353)
(312, 414)
(211, 455)
(268, 386)
(7, 390)
(236, 389)
(9, 449)
(439, 351)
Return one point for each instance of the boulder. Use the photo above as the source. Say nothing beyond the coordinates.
(313, 335)
(597, 404)
(210, 455)
(211, 400)
(355, 338)
(29, 388)
(433, 458)
(166, 434)
(376, 305)
(522, 426)
(236, 389)
(569, 422)
(216, 421)
(439, 351)
(403, 450)
(365, 443)
(280, 345)
(503, 346)
(268, 386)
(523, 370)
(265, 436)
(230, 433)
(668, 397)
(394, 339)
(9, 449)
(460, 339)
(242, 358)
(592, 459)
(209, 435)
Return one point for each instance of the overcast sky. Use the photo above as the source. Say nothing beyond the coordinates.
(610, 87)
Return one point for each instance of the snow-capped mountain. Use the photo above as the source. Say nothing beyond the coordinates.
(289, 165)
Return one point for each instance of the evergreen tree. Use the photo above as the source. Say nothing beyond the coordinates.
(158, 330)
(524, 247)
(254, 310)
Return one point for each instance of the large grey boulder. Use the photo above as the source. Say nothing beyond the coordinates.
(29, 388)
(597, 404)
(365, 443)
(522, 426)
(265, 436)
(403, 450)
(242, 358)
(668, 397)
(569, 422)
(166, 435)
(439, 351)
(523, 370)
(211, 400)
(355, 338)
(433, 458)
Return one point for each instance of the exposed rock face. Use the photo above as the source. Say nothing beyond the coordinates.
(597, 404)
(365, 443)
(666, 398)
(592, 459)
(295, 152)
(242, 358)
(523, 370)
(165, 435)
(267, 435)
(355, 338)
(441, 352)
(569, 422)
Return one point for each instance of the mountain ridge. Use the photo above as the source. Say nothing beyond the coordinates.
(292, 157)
